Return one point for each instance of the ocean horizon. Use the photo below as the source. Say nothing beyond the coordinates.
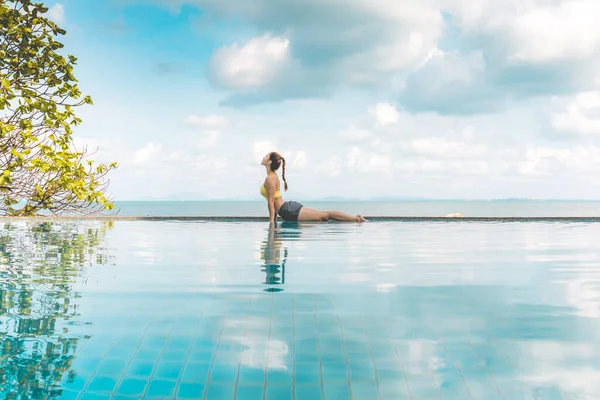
(388, 208)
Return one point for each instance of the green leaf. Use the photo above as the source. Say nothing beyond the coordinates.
(40, 96)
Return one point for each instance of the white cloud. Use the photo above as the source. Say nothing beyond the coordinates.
(208, 140)
(547, 161)
(581, 115)
(441, 147)
(451, 83)
(309, 48)
(535, 31)
(209, 121)
(362, 161)
(204, 162)
(254, 64)
(57, 13)
(149, 151)
(559, 30)
(384, 114)
(299, 162)
(262, 148)
(331, 167)
(446, 168)
(354, 133)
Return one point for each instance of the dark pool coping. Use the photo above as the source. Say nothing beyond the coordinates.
(265, 219)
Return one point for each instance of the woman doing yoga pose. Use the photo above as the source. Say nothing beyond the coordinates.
(292, 210)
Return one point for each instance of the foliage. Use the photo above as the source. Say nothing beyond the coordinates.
(41, 171)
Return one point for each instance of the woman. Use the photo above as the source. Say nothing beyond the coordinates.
(292, 210)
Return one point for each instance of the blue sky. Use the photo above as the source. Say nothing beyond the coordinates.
(365, 98)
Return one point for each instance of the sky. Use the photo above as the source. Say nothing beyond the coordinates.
(441, 99)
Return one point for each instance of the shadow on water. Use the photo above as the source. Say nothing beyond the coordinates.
(39, 263)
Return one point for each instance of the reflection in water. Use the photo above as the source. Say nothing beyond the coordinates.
(271, 254)
(274, 267)
(38, 265)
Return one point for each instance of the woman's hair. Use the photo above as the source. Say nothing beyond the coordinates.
(276, 161)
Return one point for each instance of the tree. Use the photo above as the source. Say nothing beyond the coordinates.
(41, 170)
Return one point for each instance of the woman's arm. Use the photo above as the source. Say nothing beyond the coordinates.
(270, 186)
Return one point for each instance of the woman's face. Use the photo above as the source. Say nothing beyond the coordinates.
(266, 160)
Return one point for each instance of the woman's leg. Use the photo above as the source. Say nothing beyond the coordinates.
(310, 214)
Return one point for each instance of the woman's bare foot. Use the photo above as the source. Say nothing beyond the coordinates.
(360, 218)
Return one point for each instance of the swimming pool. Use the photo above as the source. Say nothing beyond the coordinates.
(224, 310)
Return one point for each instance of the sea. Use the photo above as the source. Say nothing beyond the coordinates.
(412, 208)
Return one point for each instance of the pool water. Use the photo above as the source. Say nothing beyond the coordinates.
(224, 310)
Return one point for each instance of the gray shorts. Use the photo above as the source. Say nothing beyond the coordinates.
(290, 210)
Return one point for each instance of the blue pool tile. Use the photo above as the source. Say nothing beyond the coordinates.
(207, 335)
(85, 365)
(389, 373)
(359, 358)
(307, 373)
(140, 368)
(279, 376)
(87, 395)
(224, 373)
(160, 387)
(188, 390)
(180, 342)
(219, 391)
(508, 384)
(308, 391)
(423, 387)
(76, 382)
(174, 354)
(362, 371)
(153, 340)
(95, 351)
(331, 344)
(499, 365)
(251, 375)
(168, 369)
(195, 372)
(227, 357)
(102, 384)
(279, 392)
(249, 392)
(456, 390)
(305, 331)
(335, 371)
(336, 390)
(69, 394)
(148, 353)
(333, 358)
(393, 389)
(203, 355)
(329, 327)
(483, 388)
(132, 386)
(128, 341)
(231, 344)
(362, 390)
(112, 367)
(121, 352)
(310, 344)
(307, 358)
